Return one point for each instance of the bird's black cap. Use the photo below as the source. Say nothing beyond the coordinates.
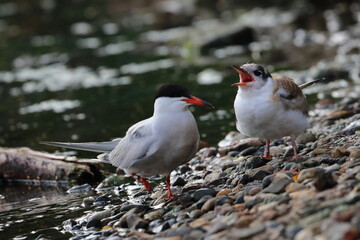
(172, 90)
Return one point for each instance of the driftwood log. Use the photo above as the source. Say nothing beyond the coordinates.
(27, 164)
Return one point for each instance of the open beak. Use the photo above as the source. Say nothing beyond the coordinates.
(197, 101)
(245, 78)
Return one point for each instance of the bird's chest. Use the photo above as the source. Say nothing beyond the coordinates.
(176, 129)
(252, 106)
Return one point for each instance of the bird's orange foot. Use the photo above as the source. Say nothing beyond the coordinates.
(143, 181)
(267, 156)
(171, 196)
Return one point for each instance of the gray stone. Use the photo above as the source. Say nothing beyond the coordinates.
(254, 162)
(179, 181)
(248, 232)
(85, 188)
(135, 222)
(203, 192)
(278, 185)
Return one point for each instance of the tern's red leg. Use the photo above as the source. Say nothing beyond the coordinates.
(170, 194)
(143, 181)
(267, 150)
(293, 143)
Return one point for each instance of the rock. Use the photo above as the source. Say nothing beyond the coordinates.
(135, 222)
(244, 233)
(233, 153)
(322, 180)
(198, 194)
(85, 188)
(94, 220)
(293, 187)
(279, 184)
(179, 232)
(114, 180)
(223, 192)
(88, 201)
(138, 208)
(267, 180)
(305, 138)
(156, 214)
(260, 174)
(244, 179)
(200, 222)
(339, 152)
(241, 145)
(255, 190)
(208, 152)
(184, 169)
(248, 151)
(291, 231)
(354, 154)
(239, 198)
(222, 200)
(195, 213)
(215, 176)
(158, 226)
(254, 162)
(309, 173)
(244, 221)
(102, 200)
(320, 151)
(208, 205)
(179, 181)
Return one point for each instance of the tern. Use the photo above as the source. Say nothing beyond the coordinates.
(157, 145)
(269, 107)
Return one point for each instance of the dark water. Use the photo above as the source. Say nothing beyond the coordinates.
(87, 70)
(29, 211)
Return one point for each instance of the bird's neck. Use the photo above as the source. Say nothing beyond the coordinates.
(166, 105)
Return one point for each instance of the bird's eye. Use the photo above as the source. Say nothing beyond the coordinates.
(257, 73)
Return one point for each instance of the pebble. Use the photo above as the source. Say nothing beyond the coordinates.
(293, 187)
(223, 200)
(354, 154)
(254, 162)
(279, 184)
(135, 222)
(179, 181)
(208, 205)
(85, 188)
(198, 194)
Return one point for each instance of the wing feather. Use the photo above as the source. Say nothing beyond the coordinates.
(136, 144)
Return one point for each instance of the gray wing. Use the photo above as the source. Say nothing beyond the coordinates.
(88, 146)
(136, 145)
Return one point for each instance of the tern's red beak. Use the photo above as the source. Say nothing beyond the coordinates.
(197, 101)
(245, 78)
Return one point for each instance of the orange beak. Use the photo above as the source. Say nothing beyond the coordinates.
(245, 78)
(197, 101)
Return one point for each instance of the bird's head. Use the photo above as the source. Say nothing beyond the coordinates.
(251, 75)
(172, 95)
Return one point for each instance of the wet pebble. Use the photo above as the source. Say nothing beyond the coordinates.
(85, 188)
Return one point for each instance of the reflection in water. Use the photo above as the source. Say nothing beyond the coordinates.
(29, 210)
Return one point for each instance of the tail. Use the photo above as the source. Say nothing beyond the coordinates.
(102, 147)
(304, 85)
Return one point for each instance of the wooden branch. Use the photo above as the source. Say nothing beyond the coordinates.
(24, 163)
